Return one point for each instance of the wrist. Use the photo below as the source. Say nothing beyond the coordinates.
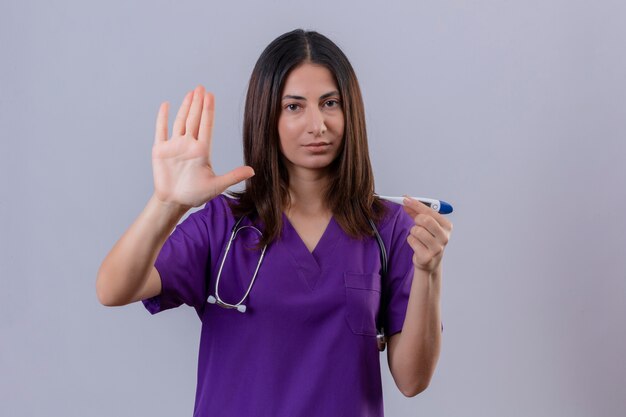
(431, 270)
(430, 277)
(167, 209)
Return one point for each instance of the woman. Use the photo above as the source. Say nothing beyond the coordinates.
(304, 264)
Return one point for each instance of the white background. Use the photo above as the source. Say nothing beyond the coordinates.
(515, 112)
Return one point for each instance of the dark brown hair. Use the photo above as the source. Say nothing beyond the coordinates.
(350, 194)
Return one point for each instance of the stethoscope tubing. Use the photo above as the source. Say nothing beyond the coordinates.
(217, 299)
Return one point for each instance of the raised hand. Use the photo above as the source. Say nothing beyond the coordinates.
(181, 166)
(429, 236)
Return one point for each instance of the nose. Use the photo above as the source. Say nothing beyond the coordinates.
(316, 125)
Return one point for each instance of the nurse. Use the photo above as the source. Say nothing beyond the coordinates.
(306, 344)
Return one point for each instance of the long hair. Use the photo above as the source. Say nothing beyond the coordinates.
(350, 193)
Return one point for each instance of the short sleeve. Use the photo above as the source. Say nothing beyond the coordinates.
(182, 265)
(397, 285)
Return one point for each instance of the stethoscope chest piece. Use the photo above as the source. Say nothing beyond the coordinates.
(240, 307)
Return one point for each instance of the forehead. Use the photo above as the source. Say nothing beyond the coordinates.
(309, 79)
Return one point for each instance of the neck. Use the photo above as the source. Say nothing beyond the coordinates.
(306, 191)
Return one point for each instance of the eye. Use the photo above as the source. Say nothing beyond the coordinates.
(331, 103)
(292, 107)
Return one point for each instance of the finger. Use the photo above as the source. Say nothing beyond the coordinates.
(206, 122)
(161, 123)
(415, 207)
(418, 247)
(195, 112)
(440, 235)
(424, 237)
(428, 223)
(181, 116)
(422, 215)
(421, 256)
(233, 177)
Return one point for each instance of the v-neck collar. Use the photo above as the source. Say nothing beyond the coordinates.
(310, 264)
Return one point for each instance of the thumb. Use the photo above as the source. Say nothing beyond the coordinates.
(414, 207)
(233, 177)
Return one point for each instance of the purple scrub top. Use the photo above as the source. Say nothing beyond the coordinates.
(306, 346)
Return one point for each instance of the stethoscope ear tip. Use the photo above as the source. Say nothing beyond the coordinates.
(211, 300)
(241, 308)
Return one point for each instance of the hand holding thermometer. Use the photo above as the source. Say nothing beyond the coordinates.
(437, 205)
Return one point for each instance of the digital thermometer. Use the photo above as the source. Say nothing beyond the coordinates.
(437, 205)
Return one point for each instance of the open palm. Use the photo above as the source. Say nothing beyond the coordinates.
(182, 165)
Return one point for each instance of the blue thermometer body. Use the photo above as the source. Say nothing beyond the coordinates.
(437, 205)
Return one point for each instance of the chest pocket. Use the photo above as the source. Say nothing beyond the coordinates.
(362, 302)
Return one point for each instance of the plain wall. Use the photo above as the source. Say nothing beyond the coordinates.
(515, 112)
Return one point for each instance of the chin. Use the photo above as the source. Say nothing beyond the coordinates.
(311, 162)
(316, 163)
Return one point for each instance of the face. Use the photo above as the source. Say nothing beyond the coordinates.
(311, 120)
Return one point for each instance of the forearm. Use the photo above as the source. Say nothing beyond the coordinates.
(415, 351)
(125, 270)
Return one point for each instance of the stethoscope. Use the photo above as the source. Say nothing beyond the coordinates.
(217, 299)
(241, 307)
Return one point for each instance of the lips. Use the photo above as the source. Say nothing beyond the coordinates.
(314, 144)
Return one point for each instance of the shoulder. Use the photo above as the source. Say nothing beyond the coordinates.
(210, 222)
(395, 218)
(218, 208)
(394, 227)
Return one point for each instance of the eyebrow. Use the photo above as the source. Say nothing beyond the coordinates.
(322, 97)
